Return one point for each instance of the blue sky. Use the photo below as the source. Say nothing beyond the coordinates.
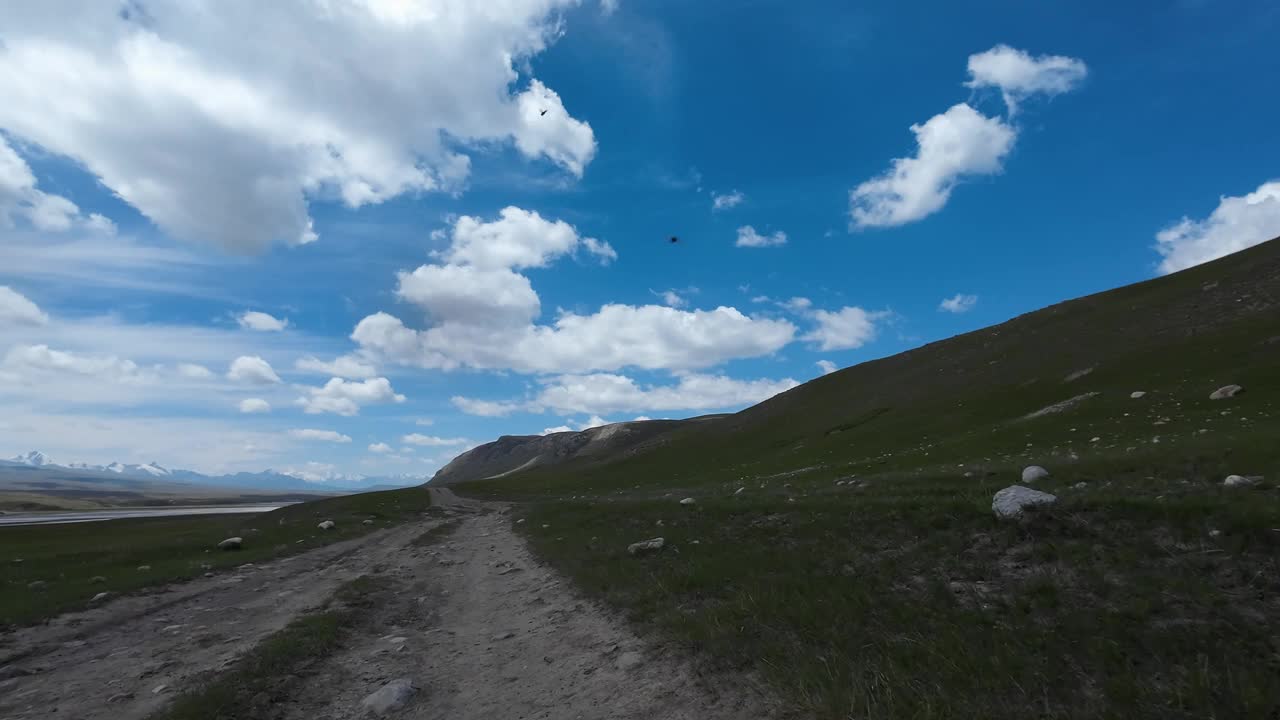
(194, 203)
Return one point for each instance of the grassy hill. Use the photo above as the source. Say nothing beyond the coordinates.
(843, 544)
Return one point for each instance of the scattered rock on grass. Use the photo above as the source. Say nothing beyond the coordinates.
(1011, 501)
(688, 501)
(144, 568)
(99, 597)
(97, 580)
(390, 697)
(1032, 473)
(367, 522)
(1226, 391)
(646, 546)
(1137, 394)
(232, 543)
(326, 525)
(1240, 481)
(37, 585)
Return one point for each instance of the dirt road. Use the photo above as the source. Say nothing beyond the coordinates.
(473, 626)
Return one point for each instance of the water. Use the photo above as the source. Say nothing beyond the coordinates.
(54, 518)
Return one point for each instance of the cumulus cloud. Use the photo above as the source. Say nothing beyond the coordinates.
(959, 143)
(346, 366)
(16, 309)
(671, 298)
(27, 362)
(380, 448)
(20, 198)
(748, 237)
(556, 429)
(600, 393)
(827, 366)
(254, 405)
(518, 239)
(252, 370)
(844, 329)
(431, 440)
(959, 303)
(321, 435)
(796, 304)
(725, 201)
(229, 88)
(1237, 223)
(192, 371)
(346, 397)
(254, 320)
(468, 295)
(1017, 74)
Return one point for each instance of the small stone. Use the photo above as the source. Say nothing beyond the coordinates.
(739, 491)
(326, 525)
(99, 597)
(630, 660)
(1239, 481)
(1011, 501)
(1226, 391)
(646, 546)
(159, 688)
(1215, 533)
(1080, 485)
(1096, 439)
(97, 579)
(1136, 394)
(1032, 473)
(390, 697)
(144, 568)
(968, 474)
(367, 522)
(232, 543)
(546, 527)
(37, 585)
(688, 501)
(502, 636)
(520, 521)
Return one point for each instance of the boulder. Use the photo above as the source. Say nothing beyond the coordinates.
(1032, 473)
(688, 501)
(326, 525)
(1011, 501)
(1226, 391)
(630, 661)
(1136, 394)
(1233, 481)
(389, 698)
(232, 543)
(646, 546)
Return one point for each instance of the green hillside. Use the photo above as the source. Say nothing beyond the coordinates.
(842, 545)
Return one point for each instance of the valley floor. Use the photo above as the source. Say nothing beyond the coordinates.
(454, 605)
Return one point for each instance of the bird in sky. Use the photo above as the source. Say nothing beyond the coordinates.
(544, 112)
(674, 239)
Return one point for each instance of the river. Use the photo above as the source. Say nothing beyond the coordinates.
(58, 517)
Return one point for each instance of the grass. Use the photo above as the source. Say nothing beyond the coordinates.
(67, 558)
(1150, 592)
(268, 672)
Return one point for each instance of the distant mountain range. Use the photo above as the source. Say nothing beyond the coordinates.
(265, 480)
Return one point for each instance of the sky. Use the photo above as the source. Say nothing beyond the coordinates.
(356, 237)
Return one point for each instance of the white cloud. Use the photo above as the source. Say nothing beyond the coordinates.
(346, 366)
(229, 89)
(192, 371)
(425, 422)
(796, 304)
(253, 370)
(616, 336)
(16, 309)
(321, 435)
(1237, 223)
(254, 405)
(600, 393)
(724, 201)
(827, 366)
(381, 448)
(518, 239)
(468, 295)
(950, 147)
(27, 362)
(671, 298)
(847, 328)
(1017, 74)
(608, 7)
(432, 441)
(748, 237)
(346, 397)
(760, 299)
(20, 198)
(556, 429)
(254, 320)
(960, 303)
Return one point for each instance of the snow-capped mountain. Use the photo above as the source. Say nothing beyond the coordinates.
(316, 477)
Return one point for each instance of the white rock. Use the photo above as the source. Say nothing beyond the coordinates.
(739, 491)
(1215, 533)
(1136, 394)
(646, 546)
(1080, 485)
(231, 543)
(367, 522)
(688, 501)
(144, 568)
(520, 521)
(390, 697)
(326, 525)
(100, 597)
(1011, 501)
(1239, 481)
(1032, 473)
(1225, 391)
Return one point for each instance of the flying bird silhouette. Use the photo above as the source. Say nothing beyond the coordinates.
(544, 112)
(674, 239)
